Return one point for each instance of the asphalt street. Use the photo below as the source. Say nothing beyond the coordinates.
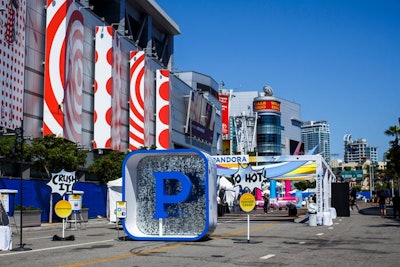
(274, 239)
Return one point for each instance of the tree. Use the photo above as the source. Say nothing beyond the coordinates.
(303, 185)
(393, 155)
(52, 154)
(108, 167)
(8, 149)
(394, 131)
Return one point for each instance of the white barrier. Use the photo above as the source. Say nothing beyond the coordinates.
(5, 238)
(312, 219)
(327, 219)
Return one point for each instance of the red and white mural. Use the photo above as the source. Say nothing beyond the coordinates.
(63, 70)
(136, 103)
(12, 62)
(103, 87)
(162, 109)
(149, 103)
(73, 76)
(116, 99)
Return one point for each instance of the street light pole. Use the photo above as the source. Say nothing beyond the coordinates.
(191, 137)
(370, 184)
(19, 138)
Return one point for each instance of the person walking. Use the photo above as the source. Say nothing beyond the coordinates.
(266, 202)
(396, 204)
(382, 202)
(353, 198)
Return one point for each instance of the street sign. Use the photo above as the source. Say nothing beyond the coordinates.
(247, 202)
(63, 208)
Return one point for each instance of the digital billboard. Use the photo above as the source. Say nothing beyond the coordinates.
(200, 120)
(265, 105)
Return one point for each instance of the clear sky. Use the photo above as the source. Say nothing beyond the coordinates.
(338, 59)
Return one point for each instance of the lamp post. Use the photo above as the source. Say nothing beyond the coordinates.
(19, 138)
(371, 179)
(191, 137)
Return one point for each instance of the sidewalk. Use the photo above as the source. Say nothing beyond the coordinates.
(370, 209)
(362, 239)
(68, 226)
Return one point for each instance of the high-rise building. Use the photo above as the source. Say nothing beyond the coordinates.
(269, 129)
(317, 133)
(358, 151)
(276, 123)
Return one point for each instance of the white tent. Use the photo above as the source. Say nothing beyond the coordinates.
(231, 192)
(114, 194)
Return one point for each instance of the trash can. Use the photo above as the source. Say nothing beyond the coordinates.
(292, 209)
(312, 219)
(320, 218)
(76, 200)
(5, 237)
(312, 214)
(327, 219)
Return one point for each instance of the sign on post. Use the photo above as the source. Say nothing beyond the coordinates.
(62, 182)
(247, 202)
(121, 209)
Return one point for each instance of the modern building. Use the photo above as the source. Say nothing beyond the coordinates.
(358, 151)
(100, 74)
(265, 124)
(269, 128)
(317, 133)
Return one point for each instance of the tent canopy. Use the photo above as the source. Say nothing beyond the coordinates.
(114, 194)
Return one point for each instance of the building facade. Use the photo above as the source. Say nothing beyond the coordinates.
(100, 74)
(266, 116)
(358, 151)
(269, 128)
(317, 133)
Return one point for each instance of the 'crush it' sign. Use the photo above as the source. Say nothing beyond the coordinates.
(62, 182)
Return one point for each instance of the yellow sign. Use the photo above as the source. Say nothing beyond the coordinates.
(121, 209)
(247, 202)
(63, 208)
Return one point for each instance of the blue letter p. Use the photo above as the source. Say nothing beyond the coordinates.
(161, 196)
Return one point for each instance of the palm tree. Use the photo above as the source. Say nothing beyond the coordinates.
(394, 131)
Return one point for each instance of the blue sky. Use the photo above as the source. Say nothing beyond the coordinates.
(340, 60)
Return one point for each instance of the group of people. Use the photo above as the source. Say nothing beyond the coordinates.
(383, 199)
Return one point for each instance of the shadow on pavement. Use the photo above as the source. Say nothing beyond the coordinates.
(370, 211)
(374, 211)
